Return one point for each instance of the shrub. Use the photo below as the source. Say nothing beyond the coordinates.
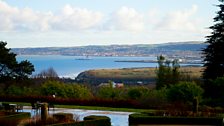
(137, 119)
(13, 118)
(108, 92)
(89, 121)
(63, 117)
(53, 87)
(18, 90)
(77, 91)
(184, 92)
(65, 90)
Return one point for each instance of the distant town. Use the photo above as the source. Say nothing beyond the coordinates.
(185, 51)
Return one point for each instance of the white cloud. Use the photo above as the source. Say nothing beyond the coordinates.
(76, 19)
(153, 16)
(126, 19)
(5, 15)
(69, 18)
(14, 19)
(179, 21)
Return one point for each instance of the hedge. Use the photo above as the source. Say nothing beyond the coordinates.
(136, 119)
(74, 101)
(13, 118)
(89, 121)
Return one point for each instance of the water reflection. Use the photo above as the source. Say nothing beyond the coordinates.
(117, 118)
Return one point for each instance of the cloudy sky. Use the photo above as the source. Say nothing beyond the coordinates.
(47, 23)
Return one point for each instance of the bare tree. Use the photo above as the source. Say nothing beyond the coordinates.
(49, 73)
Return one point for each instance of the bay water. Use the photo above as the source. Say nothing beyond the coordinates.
(71, 66)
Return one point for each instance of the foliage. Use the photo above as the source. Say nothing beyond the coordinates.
(10, 68)
(65, 121)
(218, 87)
(167, 74)
(134, 94)
(18, 90)
(97, 120)
(137, 92)
(216, 94)
(108, 92)
(77, 91)
(60, 89)
(145, 119)
(184, 92)
(12, 118)
(50, 88)
(213, 54)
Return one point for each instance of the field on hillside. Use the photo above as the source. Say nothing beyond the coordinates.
(194, 72)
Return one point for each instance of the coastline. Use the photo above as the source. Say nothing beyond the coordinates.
(153, 61)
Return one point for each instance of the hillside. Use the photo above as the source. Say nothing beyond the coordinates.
(178, 49)
(131, 75)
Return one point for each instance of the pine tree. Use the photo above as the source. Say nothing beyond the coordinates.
(11, 69)
(214, 52)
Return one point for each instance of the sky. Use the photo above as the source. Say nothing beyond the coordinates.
(67, 23)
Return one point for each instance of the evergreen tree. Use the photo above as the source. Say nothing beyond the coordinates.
(10, 68)
(214, 52)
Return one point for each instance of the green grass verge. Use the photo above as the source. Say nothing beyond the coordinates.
(94, 108)
(105, 108)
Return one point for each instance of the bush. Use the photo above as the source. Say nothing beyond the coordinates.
(77, 91)
(137, 92)
(156, 99)
(18, 90)
(184, 92)
(108, 92)
(53, 87)
(214, 90)
(65, 90)
(137, 119)
(97, 120)
(89, 121)
(63, 117)
(12, 118)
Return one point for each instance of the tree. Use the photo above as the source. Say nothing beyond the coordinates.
(50, 73)
(10, 68)
(216, 91)
(167, 74)
(184, 92)
(53, 87)
(213, 53)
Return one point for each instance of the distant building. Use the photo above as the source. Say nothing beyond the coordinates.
(119, 85)
(113, 84)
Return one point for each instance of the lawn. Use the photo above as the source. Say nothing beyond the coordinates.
(92, 107)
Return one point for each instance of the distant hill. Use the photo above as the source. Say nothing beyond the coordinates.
(178, 49)
(190, 46)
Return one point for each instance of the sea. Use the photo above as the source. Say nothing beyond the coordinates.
(71, 66)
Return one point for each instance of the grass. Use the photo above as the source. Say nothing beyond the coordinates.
(92, 107)
(194, 72)
(104, 108)
(124, 73)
